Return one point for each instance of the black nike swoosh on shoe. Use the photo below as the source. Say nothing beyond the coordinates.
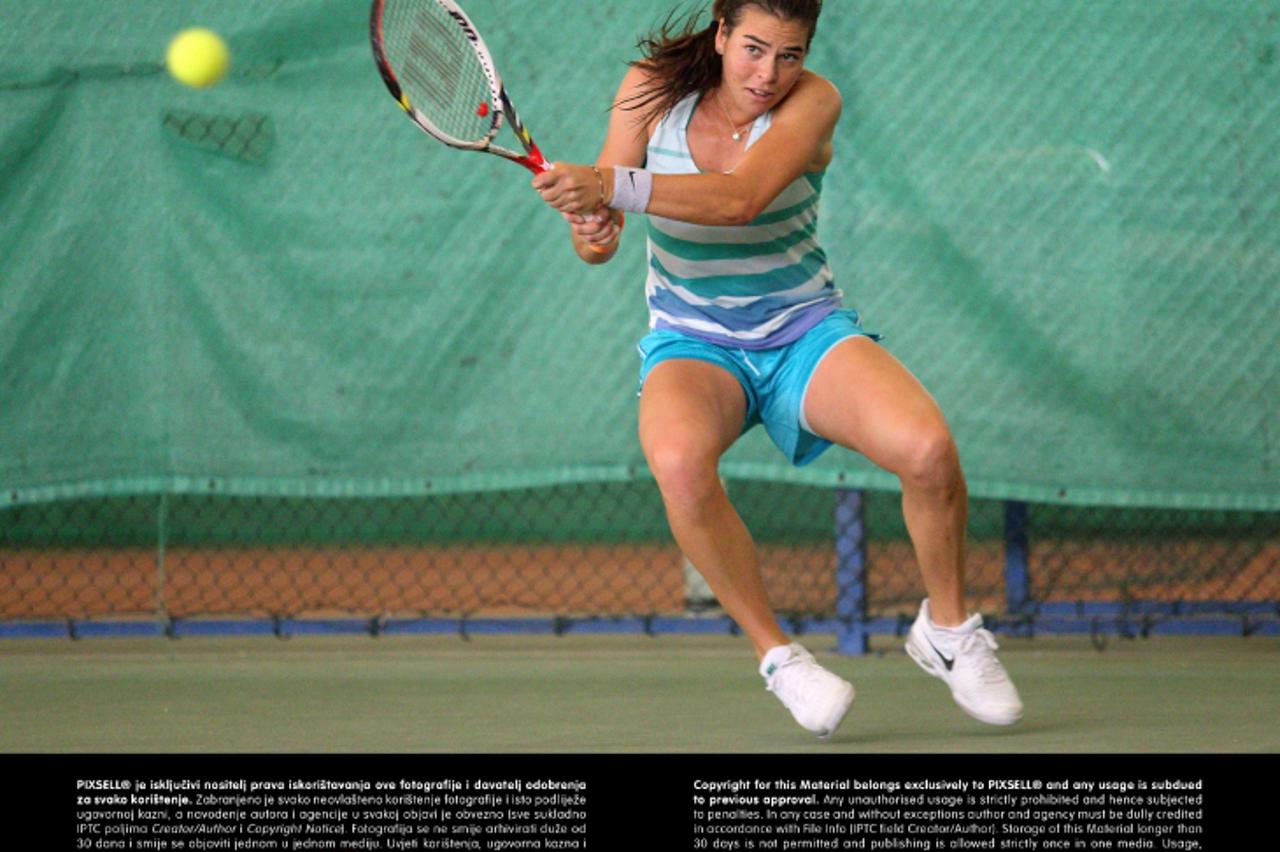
(948, 662)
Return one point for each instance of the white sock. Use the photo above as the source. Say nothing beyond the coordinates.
(774, 657)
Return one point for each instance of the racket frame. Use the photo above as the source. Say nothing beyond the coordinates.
(500, 105)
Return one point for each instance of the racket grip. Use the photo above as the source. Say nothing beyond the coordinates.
(537, 165)
(622, 222)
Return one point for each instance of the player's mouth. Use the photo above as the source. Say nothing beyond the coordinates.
(759, 94)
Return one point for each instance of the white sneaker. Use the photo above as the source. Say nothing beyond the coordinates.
(816, 698)
(963, 657)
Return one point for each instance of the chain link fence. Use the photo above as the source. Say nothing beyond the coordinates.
(598, 556)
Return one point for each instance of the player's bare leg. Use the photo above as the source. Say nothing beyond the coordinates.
(861, 397)
(690, 413)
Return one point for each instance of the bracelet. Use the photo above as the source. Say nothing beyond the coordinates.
(631, 189)
(600, 180)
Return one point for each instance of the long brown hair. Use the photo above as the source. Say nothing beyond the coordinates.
(680, 55)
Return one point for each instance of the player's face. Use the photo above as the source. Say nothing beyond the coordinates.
(763, 58)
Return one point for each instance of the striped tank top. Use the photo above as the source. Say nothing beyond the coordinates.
(754, 286)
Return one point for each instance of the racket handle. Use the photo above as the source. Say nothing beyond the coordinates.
(622, 223)
(533, 161)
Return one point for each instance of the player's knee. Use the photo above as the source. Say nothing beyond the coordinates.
(686, 472)
(933, 461)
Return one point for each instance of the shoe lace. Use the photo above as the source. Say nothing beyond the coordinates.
(980, 646)
(794, 676)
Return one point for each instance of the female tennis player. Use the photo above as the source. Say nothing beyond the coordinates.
(722, 136)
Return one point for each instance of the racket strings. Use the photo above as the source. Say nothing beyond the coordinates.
(437, 68)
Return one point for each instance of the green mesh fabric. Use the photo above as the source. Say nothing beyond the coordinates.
(1062, 215)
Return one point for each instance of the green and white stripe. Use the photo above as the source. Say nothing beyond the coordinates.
(752, 286)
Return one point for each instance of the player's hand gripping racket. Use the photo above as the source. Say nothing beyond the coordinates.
(441, 73)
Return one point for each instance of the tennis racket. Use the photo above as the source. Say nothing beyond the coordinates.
(439, 70)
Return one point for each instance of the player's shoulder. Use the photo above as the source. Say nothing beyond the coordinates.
(639, 86)
(818, 90)
(637, 80)
(813, 102)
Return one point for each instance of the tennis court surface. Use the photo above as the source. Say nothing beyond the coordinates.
(664, 694)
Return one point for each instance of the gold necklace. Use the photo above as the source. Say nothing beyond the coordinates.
(737, 134)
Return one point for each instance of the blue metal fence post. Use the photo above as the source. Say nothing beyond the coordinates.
(851, 572)
(1017, 575)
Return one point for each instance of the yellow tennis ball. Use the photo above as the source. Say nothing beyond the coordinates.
(198, 57)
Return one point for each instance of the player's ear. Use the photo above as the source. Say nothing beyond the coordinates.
(722, 36)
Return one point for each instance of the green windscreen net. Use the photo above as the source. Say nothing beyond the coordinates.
(1063, 216)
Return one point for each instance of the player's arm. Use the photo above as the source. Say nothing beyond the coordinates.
(596, 235)
(799, 140)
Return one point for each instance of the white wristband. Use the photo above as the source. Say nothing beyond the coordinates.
(631, 189)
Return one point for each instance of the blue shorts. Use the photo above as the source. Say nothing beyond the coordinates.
(774, 380)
